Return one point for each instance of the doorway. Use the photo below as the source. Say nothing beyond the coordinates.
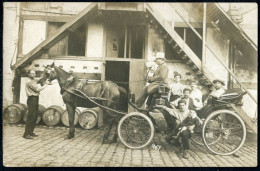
(118, 72)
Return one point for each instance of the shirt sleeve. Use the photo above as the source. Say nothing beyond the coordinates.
(33, 86)
(217, 93)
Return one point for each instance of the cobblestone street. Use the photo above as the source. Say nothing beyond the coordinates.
(50, 150)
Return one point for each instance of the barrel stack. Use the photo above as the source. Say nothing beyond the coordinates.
(15, 112)
(65, 117)
(41, 110)
(88, 118)
(52, 115)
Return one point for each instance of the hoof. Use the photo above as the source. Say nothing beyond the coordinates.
(69, 136)
(114, 141)
(105, 142)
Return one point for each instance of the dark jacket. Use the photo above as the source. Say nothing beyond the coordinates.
(160, 77)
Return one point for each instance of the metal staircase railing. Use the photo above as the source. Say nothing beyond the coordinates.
(194, 59)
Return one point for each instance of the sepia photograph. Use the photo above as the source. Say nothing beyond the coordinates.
(130, 84)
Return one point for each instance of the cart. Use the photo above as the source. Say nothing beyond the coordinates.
(223, 132)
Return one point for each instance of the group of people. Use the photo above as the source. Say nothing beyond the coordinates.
(185, 102)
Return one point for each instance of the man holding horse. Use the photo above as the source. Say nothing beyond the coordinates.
(32, 89)
(160, 77)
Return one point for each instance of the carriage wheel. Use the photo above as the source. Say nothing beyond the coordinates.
(226, 129)
(135, 130)
(196, 137)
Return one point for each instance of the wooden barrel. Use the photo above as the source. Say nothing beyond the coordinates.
(14, 112)
(41, 110)
(65, 117)
(88, 119)
(51, 116)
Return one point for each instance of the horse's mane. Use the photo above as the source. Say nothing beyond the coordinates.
(63, 74)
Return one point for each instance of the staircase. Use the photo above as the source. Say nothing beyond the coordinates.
(189, 57)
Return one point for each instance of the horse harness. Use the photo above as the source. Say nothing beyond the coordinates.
(78, 88)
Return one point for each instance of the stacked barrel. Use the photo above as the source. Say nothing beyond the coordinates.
(53, 115)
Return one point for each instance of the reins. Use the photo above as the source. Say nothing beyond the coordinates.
(90, 99)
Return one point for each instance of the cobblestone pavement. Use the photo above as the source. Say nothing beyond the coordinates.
(86, 149)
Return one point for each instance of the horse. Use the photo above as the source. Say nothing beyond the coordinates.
(107, 91)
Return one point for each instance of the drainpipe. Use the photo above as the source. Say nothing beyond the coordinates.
(203, 60)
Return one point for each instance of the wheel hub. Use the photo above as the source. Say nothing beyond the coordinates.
(226, 133)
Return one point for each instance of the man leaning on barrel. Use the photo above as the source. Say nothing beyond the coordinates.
(32, 89)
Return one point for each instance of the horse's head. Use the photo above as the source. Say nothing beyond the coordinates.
(49, 73)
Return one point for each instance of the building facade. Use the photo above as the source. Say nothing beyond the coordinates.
(118, 41)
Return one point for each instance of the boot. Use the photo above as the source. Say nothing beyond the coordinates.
(185, 154)
(69, 136)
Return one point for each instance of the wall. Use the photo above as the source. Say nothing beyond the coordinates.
(10, 36)
(34, 32)
(95, 39)
(219, 44)
(51, 95)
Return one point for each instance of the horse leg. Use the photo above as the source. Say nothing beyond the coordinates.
(114, 140)
(107, 130)
(71, 113)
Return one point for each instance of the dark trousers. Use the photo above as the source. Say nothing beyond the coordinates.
(185, 135)
(32, 103)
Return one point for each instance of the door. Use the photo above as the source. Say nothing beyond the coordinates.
(118, 72)
(137, 78)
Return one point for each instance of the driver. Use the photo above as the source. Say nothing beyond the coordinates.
(160, 77)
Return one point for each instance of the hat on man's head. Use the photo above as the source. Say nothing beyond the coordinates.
(218, 80)
(160, 55)
(186, 89)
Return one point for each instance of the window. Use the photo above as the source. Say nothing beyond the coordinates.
(136, 35)
(125, 41)
(60, 48)
(71, 45)
(77, 42)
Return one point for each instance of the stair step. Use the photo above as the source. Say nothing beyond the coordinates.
(195, 68)
(165, 36)
(189, 62)
(184, 56)
(199, 73)
(207, 83)
(170, 41)
(175, 46)
(179, 51)
(203, 78)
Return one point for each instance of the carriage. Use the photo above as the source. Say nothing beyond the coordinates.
(223, 132)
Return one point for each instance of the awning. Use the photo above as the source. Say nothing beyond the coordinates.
(70, 26)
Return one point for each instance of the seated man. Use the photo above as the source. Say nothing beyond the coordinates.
(186, 96)
(181, 115)
(160, 77)
(218, 90)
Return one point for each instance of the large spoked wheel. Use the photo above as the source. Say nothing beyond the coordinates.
(135, 130)
(223, 132)
(197, 139)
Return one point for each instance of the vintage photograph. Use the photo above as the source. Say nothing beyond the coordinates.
(130, 84)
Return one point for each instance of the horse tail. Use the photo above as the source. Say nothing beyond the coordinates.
(122, 91)
(123, 100)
